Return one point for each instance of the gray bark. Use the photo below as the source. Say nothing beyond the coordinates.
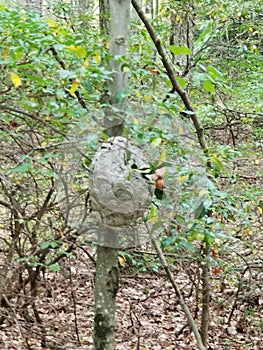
(119, 30)
(119, 42)
(107, 274)
(107, 282)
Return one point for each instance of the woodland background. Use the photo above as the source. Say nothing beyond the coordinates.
(54, 65)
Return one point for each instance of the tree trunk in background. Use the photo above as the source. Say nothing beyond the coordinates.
(83, 5)
(182, 31)
(104, 16)
(34, 5)
(107, 273)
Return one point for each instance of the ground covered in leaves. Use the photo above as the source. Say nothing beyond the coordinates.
(148, 314)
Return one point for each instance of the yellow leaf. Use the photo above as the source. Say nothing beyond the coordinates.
(86, 339)
(135, 121)
(248, 232)
(31, 341)
(199, 236)
(181, 130)
(148, 98)
(183, 178)
(137, 94)
(78, 50)
(74, 87)
(250, 29)
(257, 162)
(6, 53)
(179, 19)
(224, 19)
(122, 260)
(51, 22)
(215, 250)
(86, 64)
(97, 57)
(16, 80)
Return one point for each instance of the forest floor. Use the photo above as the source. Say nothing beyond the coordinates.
(148, 314)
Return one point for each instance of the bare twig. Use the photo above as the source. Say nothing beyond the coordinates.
(178, 293)
(74, 305)
(205, 294)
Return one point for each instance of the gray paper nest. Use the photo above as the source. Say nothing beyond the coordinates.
(120, 196)
(119, 193)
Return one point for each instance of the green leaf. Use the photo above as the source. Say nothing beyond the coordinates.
(23, 259)
(34, 78)
(24, 167)
(196, 236)
(55, 267)
(125, 68)
(87, 85)
(214, 72)
(218, 165)
(168, 241)
(53, 244)
(45, 245)
(180, 50)
(187, 245)
(204, 37)
(183, 82)
(209, 86)
(216, 161)
(156, 142)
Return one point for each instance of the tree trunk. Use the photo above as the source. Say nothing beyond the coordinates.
(106, 285)
(107, 273)
(104, 16)
(182, 32)
(119, 32)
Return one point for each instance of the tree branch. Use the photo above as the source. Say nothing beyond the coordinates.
(178, 293)
(172, 76)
